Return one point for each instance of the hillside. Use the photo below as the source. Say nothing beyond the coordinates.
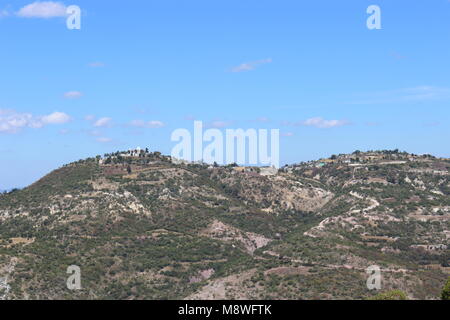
(142, 227)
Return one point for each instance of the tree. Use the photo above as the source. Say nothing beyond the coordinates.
(390, 295)
(445, 295)
(445, 257)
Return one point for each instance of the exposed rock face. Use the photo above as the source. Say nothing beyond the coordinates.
(250, 241)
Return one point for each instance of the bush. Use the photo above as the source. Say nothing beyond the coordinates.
(446, 291)
(390, 295)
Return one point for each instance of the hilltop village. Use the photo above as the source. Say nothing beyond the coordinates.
(354, 160)
(359, 159)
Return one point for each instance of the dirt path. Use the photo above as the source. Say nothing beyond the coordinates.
(346, 217)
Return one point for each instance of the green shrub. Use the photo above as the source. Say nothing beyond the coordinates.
(390, 295)
(446, 291)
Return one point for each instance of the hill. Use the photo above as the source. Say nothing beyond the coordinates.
(142, 227)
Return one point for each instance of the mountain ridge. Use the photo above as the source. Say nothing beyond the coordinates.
(140, 226)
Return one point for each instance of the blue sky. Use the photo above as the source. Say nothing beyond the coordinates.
(137, 70)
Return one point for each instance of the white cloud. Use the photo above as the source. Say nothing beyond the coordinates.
(248, 66)
(415, 94)
(103, 122)
(155, 124)
(103, 139)
(89, 117)
(147, 124)
(12, 121)
(44, 9)
(287, 134)
(55, 118)
(73, 95)
(218, 124)
(319, 122)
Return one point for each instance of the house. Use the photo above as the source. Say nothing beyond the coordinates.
(320, 164)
